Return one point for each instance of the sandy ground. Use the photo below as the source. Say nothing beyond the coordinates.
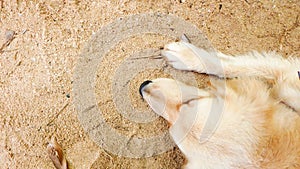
(37, 66)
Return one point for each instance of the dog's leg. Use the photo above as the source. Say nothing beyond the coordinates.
(283, 72)
(185, 56)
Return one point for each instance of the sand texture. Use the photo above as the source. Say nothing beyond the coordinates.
(73, 68)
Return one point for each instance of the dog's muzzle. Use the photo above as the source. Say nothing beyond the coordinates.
(145, 83)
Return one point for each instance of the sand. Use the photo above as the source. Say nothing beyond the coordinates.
(43, 42)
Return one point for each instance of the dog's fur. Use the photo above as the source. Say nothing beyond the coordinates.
(254, 108)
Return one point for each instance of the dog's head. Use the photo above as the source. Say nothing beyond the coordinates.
(168, 97)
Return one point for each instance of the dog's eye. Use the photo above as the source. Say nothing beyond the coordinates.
(188, 101)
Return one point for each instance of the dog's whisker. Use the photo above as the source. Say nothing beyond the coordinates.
(147, 57)
(185, 38)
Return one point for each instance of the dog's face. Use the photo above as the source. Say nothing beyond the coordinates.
(167, 96)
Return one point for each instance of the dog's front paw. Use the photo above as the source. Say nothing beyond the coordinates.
(185, 56)
(181, 56)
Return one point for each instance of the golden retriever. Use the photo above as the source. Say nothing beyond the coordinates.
(247, 118)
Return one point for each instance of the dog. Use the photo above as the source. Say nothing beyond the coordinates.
(248, 117)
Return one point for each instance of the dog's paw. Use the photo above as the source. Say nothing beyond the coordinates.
(185, 56)
(181, 56)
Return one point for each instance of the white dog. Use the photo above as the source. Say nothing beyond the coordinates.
(248, 118)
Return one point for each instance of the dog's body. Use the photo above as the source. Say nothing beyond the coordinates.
(247, 119)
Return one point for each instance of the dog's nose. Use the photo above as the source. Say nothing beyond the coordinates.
(145, 83)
